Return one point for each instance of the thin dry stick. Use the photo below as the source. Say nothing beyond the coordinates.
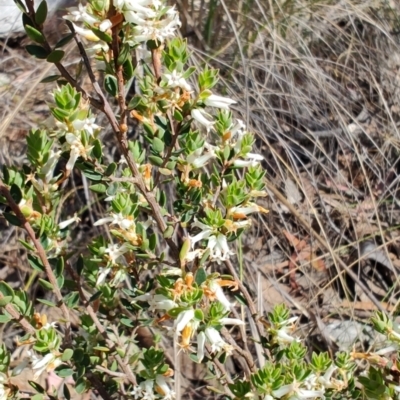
(42, 255)
(28, 328)
(323, 243)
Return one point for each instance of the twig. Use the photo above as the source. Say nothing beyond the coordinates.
(42, 255)
(28, 328)
(247, 296)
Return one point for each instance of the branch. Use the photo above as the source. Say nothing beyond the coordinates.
(28, 328)
(42, 255)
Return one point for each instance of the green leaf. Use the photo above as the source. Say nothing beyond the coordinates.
(123, 54)
(50, 78)
(47, 302)
(168, 232)
(66, 39)
(102, 35)
(6, 289)
(16, 193)
(178, 115)
(111, 85)
(45, 284)
(156, 160)
(37, 387)
(63, 371)
(67, 355)
(96, 296)
(41, 13)
(97, 150)
(37, 396)
(71, 299)
(35, 263)
(37, 51)
(128, 69)
(158, 145)
(34, 34)
(12, 219)
(80, 386)
(20, 5)
(55, 56)
(5, 300)
(110, 169)
(4, 319)
(201, 276)
(66, 392)
(98, 188)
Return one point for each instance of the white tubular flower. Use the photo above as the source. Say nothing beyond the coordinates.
(218, 102)
(252, 160)
(231, 321)
(123, 222)
(80, 14)
(163, 389)
(201, 341)
(103, 273)
(219, 294)
(140, 8)
(240, 212)
(199, 161)
(200, 117)
(147, 390)
(77, 149)
(47, 363)
(114, 251)
(161, 302)
(86, 124)
(86, 33)
(3, 391)
(134, 18)
(206, 232)
(62, 225)
(184, 318)
(174, 80)
(325, 380)
(105, 25)
(282, 334)
(219, 249)
(216, 341)
(48, 168)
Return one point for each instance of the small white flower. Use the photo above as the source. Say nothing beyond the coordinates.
(216, 341)
(86, 33)
(62, 225)
(163, 389)
(114, 251)
(219, 294)
(201, 161)
(184, 318)
(218, 101)
(147, 390)
(174, 80)
(87, 124)
(240, 212)
(201, 340)
(47, 363)
(123, 222)
(200, 116)
(219, 249)
(103, 273)
(80, 14)
(161, 302)
(48, 168)
(105, 25)
(231, 321)
(252, 160)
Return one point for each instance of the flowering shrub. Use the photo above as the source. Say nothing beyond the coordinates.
(177, 198)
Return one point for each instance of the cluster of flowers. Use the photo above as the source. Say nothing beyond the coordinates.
(148, 20)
